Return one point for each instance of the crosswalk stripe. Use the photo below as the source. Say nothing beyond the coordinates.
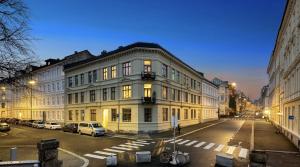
(166, 141)
(219, 148)
(113, 150)
(94, 156)
(123, 145)
(176, 141)
(200, 144)
(183, 142)
(191, 143)
(121, 148)
(140, 142)
(243, 153)
(230, 150)
(133, 144)
(104, 153)
(210, 145)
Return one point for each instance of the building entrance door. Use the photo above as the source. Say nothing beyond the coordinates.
(105, 118)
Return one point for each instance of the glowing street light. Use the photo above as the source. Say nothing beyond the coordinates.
(233, 84)
(31, 82)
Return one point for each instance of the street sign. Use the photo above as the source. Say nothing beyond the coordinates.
(174, 121)
(291, 117)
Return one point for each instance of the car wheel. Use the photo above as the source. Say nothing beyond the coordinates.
(93, 134)
(79, 132)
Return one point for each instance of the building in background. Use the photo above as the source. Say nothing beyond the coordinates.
(5, 98)
(137, 88)
(284, 74)
(223, 93)
(264, 101)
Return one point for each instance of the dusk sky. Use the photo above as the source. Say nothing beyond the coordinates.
(232, 39)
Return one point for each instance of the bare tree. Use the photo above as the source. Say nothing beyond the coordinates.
(15, 52)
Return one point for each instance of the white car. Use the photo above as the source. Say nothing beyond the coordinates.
(91, 128)
(52, 125)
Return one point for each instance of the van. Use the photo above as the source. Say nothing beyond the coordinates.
(91, 128)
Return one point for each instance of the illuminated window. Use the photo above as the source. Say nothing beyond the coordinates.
(93, 115)
(126, 91)
(113, 71)
(147, 90)
(126, 115)
(105, 73)
(147, 65)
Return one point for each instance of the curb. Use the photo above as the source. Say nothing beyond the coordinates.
(86, 161)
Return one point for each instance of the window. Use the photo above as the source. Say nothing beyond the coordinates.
(147, 115)
(76, 98)
(173, 74)
(165, 92)
(164, 70)
(82, 115)
(104, 94)
(165, 114)
(186, 114)
(113, 71)
(126, 91)
(113, 93)
(126, 68)
(92, 96)
(105, 73)
(173, 94)
(70, 115)
(126, 115)
(186, 97)
(178, 95)
(178, 114)
(147, 65)
(192, 114)
(82, 79)
(81, 97)
(178, 76)
(147, 90)
(70, 83)
(94, 75)
(93, 114)
(114, 115)
(3, 105)
(76, 115)
(69, 99)
(90, 77)
(76, 80)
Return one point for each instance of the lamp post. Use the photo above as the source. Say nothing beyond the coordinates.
(31, 83)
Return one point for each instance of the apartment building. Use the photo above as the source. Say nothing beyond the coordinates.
(137, 88)
(223, 96)
(39, 95)
(5, 99)
(284, 75)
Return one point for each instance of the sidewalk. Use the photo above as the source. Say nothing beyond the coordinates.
(280, 151)
(30, 153)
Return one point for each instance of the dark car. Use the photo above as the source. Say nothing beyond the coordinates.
(29, 123)
(4, 127)
(70, 127)
(22, 122)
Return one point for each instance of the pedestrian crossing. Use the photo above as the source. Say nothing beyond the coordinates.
(242, 152)
(118, 149)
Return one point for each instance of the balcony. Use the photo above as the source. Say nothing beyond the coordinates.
(148, 100)
(148, 75)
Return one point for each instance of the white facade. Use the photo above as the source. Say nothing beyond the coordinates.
(284, 75)
(138, 88)
(223, 96)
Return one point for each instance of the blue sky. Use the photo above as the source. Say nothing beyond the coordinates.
(230, 39)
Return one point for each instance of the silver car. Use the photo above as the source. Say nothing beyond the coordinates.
(4, 127)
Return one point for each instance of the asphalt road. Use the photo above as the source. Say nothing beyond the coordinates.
(202, 145)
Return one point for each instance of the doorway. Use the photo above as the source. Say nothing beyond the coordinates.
(105, 118)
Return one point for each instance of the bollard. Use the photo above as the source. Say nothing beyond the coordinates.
(13, 154)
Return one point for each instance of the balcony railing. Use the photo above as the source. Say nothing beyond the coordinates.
(148, 75)
(148, 100)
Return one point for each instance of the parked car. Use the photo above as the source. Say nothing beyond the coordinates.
(22, 122)
(29, 123)
(52, 125)
(70, 127)
(91, 128)
(38, 124)
(4, 127)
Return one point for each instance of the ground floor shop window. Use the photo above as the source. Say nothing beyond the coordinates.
(70, 115)
(178, 114)
(165, 114)
(76, 115)
(93, 115)
(186, 114)
(147, 115)
(126, 115)
(113, 114)
(82, 115)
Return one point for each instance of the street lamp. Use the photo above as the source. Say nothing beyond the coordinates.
(233, 84)
(31, 83)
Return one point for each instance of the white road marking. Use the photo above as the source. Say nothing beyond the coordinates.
(200, 144)
(140, 142)
(133, 144)
(243, 153)
(176, 141)
(230, 150)
(166, 141)
(104, 153)
(184, 142)
(210, 145)
(112, 150)
(123, 145)
(121, 148)
(191, 143)
(219, 148)
(94, 156)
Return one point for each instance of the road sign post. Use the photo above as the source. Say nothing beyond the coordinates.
(174, 122)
